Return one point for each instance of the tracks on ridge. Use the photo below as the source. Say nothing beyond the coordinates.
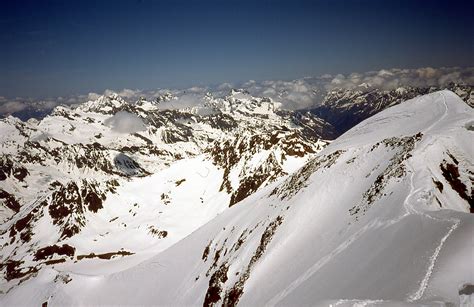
(418, 294)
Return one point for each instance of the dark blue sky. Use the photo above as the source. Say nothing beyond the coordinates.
(52, 48)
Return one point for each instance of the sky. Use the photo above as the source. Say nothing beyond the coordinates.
(55, 48)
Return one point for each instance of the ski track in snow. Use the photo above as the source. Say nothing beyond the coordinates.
(424, 283)
(410, 209)
(418, 294)
(323, 261)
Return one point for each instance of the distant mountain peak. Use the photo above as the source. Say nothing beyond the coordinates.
(106, 104)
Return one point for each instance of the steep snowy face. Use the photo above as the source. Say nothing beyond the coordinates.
(115, 183)
(380, 216)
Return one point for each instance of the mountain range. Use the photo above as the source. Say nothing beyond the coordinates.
(366, 198)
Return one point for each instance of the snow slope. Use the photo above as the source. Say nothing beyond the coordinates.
(379, 217)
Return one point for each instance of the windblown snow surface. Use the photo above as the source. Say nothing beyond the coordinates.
(379, 217)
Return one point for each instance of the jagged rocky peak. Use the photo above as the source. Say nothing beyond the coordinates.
(152, 104)
(165, 97)
(465, 92)
(238, 91)
(106, 104)
(240, 101)
(208, 96)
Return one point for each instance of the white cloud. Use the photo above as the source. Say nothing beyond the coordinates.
(182, 102)
(205, 111)
(196, 89)
(128, 93)
(125, 122)
(9, 107)
(393, 78)
(225, 86)
(92, 96)
(307, 92)
(295, 94)
(326, 76)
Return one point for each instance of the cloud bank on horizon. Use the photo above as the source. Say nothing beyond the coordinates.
(393, 78)
(295, 94)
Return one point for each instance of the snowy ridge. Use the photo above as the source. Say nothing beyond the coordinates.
(379, 217)
(344, 108)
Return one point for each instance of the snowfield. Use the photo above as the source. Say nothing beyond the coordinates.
(379, 217)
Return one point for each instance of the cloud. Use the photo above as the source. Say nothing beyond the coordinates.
(388, 79)
(294, 94)
(127, 94)
(92, 96)
(182, 102)
(225, 86)
(9, 107)
(125, 122)
(197, 89)
(205, 111)
(326, 76)
(45, 104)
(307, 92)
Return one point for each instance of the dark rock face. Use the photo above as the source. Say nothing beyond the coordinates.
(233, 295)
(221, 121)
(9, 200)
(128, 167)
(10, 169)
(395, 170)
(214, 291)
(219, 292)
(268, 171)
(21, 225)
(48, 251)
(69, 202)
(91, 156)
(298, 180)
(160, 234)
(106, 256)
(230, 153)
(14, 270)
(450, 172)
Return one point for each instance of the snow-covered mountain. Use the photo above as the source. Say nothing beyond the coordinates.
(345, 108)
(107, 179)
(237, 202)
